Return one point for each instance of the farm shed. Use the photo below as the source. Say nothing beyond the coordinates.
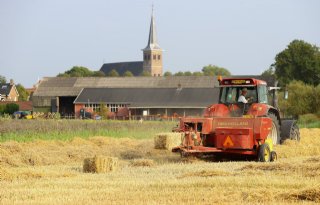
(148, 101)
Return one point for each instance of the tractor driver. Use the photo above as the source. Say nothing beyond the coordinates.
(242, 97)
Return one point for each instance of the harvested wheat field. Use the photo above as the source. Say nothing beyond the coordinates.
(51, 172)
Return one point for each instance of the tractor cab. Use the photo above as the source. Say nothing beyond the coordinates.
(240, 94)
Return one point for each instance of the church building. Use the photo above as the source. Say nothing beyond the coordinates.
(152, 59)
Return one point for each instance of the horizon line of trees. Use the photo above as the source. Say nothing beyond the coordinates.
(80, 71)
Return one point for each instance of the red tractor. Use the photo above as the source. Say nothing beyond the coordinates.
(246, 121)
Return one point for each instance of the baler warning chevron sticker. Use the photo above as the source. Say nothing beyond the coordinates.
(228, 142)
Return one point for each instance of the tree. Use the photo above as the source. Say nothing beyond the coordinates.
(23, 93)
(180, 73)
(197, 73)
(98, 74)
(104, 111)
(167, 73)
(299, 61)
(212, 70)
(11, 108)
(127, 74)
(269, 72)
(302, 99)
(3, 79)
(80, 71)
(187, 73)
(63, 75)
(113, 73)
(145, 73)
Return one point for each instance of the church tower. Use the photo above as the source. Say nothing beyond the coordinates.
(152, 53)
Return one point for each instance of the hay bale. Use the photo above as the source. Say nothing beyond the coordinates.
(100, 164)
(167, 140)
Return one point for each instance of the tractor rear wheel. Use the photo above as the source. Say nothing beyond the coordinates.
(275, 129)
(295, 133)
(264, 153)
(289, 130)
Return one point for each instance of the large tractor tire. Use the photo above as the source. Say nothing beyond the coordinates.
(290, 130)
(275, 129)
(264, 153)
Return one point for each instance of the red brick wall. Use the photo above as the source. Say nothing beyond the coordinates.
(78, 107)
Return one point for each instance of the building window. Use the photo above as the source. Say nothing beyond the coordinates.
(145, 57)
(148, 57)
(159, 57)
(154, 57)
(95, 107)
(111, 107)
(115, 107)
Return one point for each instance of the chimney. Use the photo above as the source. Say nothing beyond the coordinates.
(11, 82)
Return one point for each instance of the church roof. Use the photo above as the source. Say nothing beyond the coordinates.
(153, 41)
(135, 67)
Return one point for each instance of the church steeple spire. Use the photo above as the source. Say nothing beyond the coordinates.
(152, 53)
(153, 41)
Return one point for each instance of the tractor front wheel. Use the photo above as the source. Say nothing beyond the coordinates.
(264, 153)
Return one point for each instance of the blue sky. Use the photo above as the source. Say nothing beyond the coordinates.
(41, 38)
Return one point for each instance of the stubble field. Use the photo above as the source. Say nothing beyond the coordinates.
(50, 172)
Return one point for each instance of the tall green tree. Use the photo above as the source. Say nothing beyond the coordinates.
(187, 73)
(113, 73)
(23, 94)
(213, 70)
(3, 79)
(299, 61)
(127, 74)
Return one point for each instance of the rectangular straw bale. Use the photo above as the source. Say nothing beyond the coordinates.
(167, 140)
(100, 164)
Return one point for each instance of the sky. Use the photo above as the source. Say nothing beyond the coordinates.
(42, 38)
